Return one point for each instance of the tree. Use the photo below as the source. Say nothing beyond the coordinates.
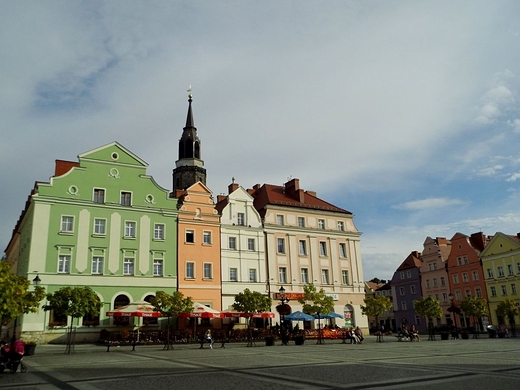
(429, 308)
(171, 306)
(74, 302)
(15, 297)
(251, 302)
(507, 308)
(475, 307)
(315, 303)
(374, 307)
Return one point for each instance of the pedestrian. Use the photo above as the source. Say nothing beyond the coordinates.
(208, 338)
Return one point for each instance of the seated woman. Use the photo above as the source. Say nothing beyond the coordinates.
(414, 333)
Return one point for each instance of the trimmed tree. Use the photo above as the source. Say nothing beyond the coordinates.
(315, 303)
(74, 302)
(429, 308)
(476, 308)
(15, 297)
(251, 302)
(375, 306)
(171, 306)
(508, 309)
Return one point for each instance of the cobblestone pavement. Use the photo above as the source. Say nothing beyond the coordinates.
(453, 364)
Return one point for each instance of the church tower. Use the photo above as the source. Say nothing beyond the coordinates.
(189, 168)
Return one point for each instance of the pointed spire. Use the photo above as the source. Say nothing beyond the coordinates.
(189, 119)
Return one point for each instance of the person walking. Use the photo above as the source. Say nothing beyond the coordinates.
(209, 338)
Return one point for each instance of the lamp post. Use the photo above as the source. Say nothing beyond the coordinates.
(453, 309)
(283, 300)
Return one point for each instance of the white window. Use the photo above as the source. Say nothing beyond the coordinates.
(190, 236)
(510, 269)
(443, 281)
(100, 226)
(304, 272)
(455, 278)
(465, 277)
(401, 274)
(128, 266)
(478, 292)
(130, 229)
(301, 222)
(126, 198)
(233, 275)
(190, 270)
(325, 276)
(504, 289)
(409, 274)
(403, 305)
(493, 291)
(241, 217)
(99, 195)
(500, 270)
(251, 244)
(428, 283)
(344, 277)
(67, 224)
(208, 272)
(412, 289)
(303, 248)
(435, 284)
(490, 272)
(341, 226)
(513, 288)
(401, 290)
(321, 224)
(458, 295)
(97, 265)
(475, 275)
(157, 267)
(232, 243)
(252, 275)
(282, 274)
(323, 248)
(279, 220)
(281, 245)
(64, 264)
(342, 250)
(158, 231)
(444, 297)
(206, 238)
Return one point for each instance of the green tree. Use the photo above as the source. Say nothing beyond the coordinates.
(508, 309)
(429, 308)
(15, 297)
(74, 302)
(375, 306)
(171, 306)
(315, 303)
(476, 308)
(251, 302)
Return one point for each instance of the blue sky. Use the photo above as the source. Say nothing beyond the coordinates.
(404, 112)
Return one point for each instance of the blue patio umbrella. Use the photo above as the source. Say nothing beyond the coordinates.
(299, 316)
(330, 315)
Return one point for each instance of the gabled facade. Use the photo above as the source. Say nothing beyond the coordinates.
(387, 319)
(406, 288)
(434, 281)
(100, 222)
(501, 267)
(242, 245)
(311, 241)
(199, 247)
(465, 274)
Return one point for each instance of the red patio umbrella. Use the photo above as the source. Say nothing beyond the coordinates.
(202, 311)
(135, 309)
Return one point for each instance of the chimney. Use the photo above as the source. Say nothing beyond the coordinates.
(63, 167)
(232, 187)
(311, 193)
(220, 198)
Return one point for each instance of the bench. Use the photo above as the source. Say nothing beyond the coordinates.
(345, 336)
(118, 344)
(402, 336)
(206, 341)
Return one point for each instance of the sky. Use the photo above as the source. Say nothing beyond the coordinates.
(405, 113)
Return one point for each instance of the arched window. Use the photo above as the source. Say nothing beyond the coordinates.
(147, 320)
(188, 149)
(197, 150)
(181, 149)
(121, 300)
(348, 312)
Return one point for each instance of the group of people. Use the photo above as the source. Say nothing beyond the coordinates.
(10, 355)
(412, 334)
(355, 335)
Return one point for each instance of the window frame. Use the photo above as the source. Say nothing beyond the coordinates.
(159, 231)
(189, 234)
(343, 250)
(321, 224)
(232, 243)
(207, 238)
(304, 275)
(64, 263)
(323, 248)
(207, 271)
(125, 198)
(241, 219)
(280, 245)
(325, 276)
(252, 275)
(251, 244)
(158, 268)
(67, 224)
(128, 266)
(98, 225)
(302, 247)
(96, 198)
(97, 265)
(130, 229)
(341, 226)
(233, 274)
(189, 270)
(280, 220)
(282, 274)
(345, 277)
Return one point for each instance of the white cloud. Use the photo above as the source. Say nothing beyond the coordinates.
(490, 171)
(514, 177)
(429, 203)
(515, 124)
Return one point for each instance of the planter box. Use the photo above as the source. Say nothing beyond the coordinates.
(29, 349)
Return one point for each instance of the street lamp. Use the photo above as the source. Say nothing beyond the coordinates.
(37, 280)
(453, 309)
(283, 300)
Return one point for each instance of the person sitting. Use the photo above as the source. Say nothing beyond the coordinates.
(359, 334)
(414, 333)
(353, 336)
(208, 338)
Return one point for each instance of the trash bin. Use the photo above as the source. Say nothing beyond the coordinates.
(492, 331)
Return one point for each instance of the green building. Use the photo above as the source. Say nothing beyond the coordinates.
(100, 222)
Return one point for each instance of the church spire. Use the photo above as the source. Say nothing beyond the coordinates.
(189, 167)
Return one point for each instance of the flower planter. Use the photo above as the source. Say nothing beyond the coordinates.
(29, 349)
